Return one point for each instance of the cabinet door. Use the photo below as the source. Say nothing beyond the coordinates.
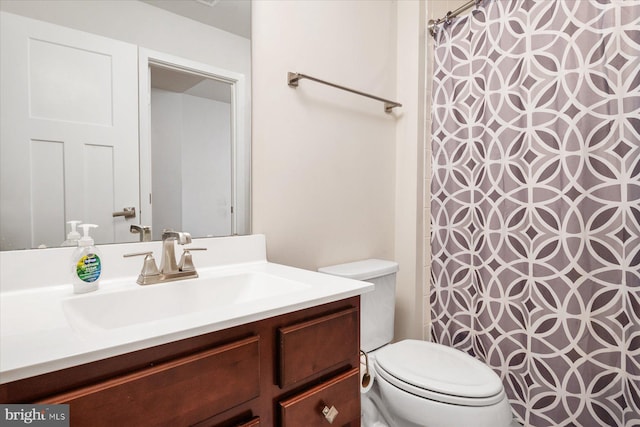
(310, 347)
(341, 393)
(180, 392)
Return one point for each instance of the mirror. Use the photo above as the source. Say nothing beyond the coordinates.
(191, 128)
(87, 168)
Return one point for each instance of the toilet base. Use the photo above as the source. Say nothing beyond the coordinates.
(371, 416)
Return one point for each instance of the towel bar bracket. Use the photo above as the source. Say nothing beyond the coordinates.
(292, 79)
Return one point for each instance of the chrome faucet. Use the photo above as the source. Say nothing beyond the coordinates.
(168, 264)
(143, 230)
(169, 268)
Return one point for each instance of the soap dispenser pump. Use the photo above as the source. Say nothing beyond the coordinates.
(73, 236)
(86, 263)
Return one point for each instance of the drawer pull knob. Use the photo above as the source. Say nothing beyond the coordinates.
(330, 413)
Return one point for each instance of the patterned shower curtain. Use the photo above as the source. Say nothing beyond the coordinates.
(535, 204)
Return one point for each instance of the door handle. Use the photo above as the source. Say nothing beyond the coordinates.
(127, 213)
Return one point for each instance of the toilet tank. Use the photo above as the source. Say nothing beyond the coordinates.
(377, 308)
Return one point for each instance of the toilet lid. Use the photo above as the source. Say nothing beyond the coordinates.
(434, 371)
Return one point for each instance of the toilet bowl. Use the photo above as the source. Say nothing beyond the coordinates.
(418, 383)
(428, 384)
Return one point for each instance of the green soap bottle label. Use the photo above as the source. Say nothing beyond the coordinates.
(89, 268)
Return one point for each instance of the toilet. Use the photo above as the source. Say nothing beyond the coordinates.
(417, 383)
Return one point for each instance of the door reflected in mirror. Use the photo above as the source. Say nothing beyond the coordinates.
(191, 118)
(192, 128)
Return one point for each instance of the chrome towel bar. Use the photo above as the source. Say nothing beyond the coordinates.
(294, 78)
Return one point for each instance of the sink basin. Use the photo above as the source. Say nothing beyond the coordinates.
(150, 303)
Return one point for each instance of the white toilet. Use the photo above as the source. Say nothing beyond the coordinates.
(418, 383)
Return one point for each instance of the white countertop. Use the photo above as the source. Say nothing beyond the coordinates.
(37, 335)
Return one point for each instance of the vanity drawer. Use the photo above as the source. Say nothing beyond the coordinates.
(341, 392)
(310, 347)
(179, 392)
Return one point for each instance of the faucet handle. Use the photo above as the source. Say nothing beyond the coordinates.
(186, 261)
(149, 273)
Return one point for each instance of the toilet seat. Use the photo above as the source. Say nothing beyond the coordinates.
(440, 373)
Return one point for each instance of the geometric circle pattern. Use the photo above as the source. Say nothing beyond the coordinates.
(535, 204)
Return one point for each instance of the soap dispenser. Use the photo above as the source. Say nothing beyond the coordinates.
(73, 236)
(86, 263)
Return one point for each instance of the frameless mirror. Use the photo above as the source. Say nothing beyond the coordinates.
(104, 125)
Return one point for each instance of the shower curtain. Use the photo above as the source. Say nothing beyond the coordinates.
(535, 204)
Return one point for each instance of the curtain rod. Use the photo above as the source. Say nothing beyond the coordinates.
(293, 78)
(432, 25)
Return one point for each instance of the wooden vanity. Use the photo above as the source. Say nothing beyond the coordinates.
(280, 371)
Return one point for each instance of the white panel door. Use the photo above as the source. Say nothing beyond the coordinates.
(69, 138)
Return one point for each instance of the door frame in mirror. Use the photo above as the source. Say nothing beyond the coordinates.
(239, 190)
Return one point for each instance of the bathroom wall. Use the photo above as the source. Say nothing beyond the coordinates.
(410, 136)
(324, 159)
(335, 179)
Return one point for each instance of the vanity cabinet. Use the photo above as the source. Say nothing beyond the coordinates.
(280, 371)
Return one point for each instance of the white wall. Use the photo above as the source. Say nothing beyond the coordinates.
(335, 179)
(324, 159)
(410, 135)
